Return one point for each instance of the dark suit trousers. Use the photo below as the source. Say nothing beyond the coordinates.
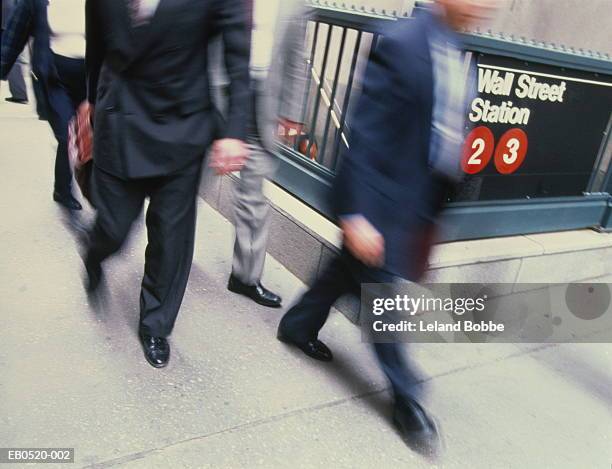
(170, 220)
(64, 95)
(344, 275)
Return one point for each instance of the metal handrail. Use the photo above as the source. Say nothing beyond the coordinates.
(311, 180)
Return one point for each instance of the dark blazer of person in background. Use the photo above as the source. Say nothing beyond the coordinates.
(153, 123)
(29, 19)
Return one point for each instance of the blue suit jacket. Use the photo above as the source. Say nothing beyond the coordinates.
(29, 19)
(385, 174)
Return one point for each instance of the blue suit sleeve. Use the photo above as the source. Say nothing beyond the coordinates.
(15, 37)
(386, 97)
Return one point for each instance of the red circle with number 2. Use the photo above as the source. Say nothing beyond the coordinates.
(477, 150)
(511, 151)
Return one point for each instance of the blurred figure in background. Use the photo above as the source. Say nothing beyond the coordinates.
(407, 132)
(16, 81)
(278, 72)
(147, 65)
(58, 31)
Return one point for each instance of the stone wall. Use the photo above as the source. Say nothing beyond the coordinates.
(574, 24)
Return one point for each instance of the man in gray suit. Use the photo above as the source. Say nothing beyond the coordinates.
(17, 85)
(278, 72)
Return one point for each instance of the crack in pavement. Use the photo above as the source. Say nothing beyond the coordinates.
(326, 405)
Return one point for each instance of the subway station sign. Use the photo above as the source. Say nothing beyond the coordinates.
(534, 130)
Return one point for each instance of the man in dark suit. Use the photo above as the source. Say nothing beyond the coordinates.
(153, 122)
(404, 154)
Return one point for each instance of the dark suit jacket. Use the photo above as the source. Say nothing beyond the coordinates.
(150, 87)
(28, 19)
(7, 10)
(385, 174)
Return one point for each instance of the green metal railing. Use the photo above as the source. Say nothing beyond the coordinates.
(340, 44)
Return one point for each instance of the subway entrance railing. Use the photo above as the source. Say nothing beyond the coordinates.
(538, 148)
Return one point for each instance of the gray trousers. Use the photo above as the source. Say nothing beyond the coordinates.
(251, 216)
(16, 80)
(17, 84)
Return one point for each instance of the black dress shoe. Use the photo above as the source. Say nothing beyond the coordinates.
(418, 429)
(94, 274)
(156, 350)
(313, 348)
(258, 293)
(67, 201)
(11, 99)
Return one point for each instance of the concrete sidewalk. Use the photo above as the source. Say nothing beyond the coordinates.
(72, 374)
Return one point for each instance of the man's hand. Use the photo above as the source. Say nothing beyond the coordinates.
(228, 155)
(363, 240)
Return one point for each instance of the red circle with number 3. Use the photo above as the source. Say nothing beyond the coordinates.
(511, 151)
(477, 150)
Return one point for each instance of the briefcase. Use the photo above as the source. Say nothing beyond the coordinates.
(80, 149)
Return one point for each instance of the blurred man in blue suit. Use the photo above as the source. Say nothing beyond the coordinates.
(407, 132)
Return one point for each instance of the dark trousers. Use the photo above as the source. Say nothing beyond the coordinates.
(170, 220)
(39, 95)
(64, 94)
(344, 275)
